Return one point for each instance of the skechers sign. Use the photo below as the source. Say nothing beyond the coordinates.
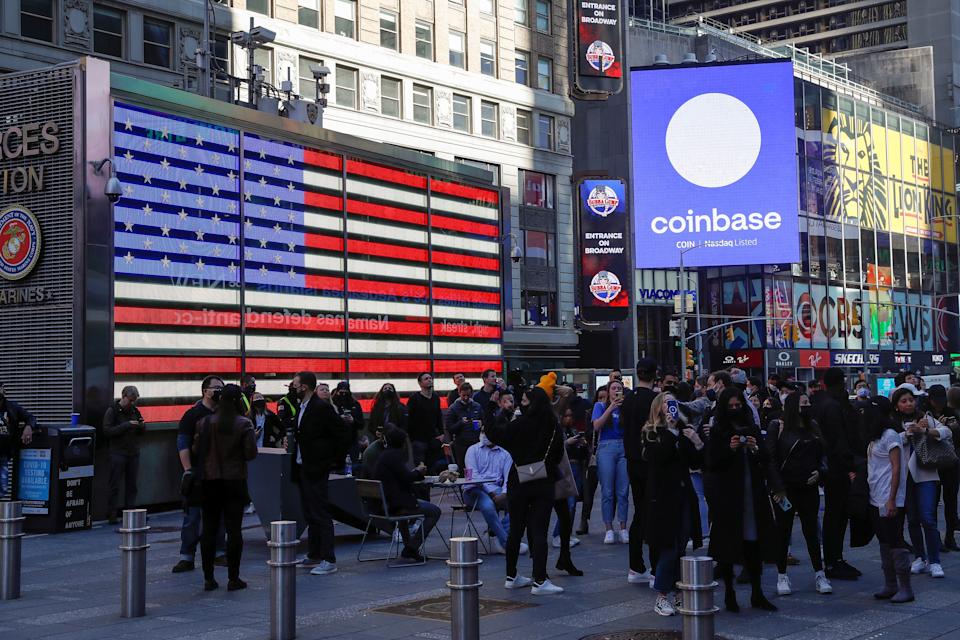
(604, 269)
(714, 165)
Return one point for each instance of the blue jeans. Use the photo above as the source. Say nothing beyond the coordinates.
(572, 500)
(922, 519)
(190, 535)
(614, 482)
(478, 500)
(696, 477)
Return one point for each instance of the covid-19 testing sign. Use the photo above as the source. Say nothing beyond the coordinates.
(714, 165)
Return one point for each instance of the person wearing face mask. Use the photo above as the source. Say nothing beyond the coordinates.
(287, 408)
(670, 450)
(248, 384)
(861, 392)
(770, 410)
(795, 467)
(387, 409)
(16, 428)
(463, 423)
(743, 530)
(123, 425)
(949, 477)
(266, 424)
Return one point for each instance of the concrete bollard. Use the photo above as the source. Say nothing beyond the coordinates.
(11, 543)
(133, 549)
(464, 587)
(283, 579)
(697, 585)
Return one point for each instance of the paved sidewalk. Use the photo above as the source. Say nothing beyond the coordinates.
(71, 591)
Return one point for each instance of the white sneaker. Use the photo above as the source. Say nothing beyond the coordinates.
(608, 537)
(517, 583)
(524, 549)
(638, 578)
(545, 588)
(918, 566)
(822, 584)
(783, 585)
(574, 541)
(624, 536)
(663, 607)
(495, 547)
(556, 542)
(250, 509)
(936, 571)
(653, 580)
(324, 569)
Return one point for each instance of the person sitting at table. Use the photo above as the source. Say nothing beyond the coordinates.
(398, 489)
(492, 463)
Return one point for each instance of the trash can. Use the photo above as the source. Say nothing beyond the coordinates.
(54, 478)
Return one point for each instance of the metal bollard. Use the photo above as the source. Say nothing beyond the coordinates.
(697, 585)
(133, 548)
(11, 542)
(464, 587)
(283, 579)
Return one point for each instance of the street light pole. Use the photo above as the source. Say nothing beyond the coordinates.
(683, 319)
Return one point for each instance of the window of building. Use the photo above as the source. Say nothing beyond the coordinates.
(539, 308)
(36, 19)
(524, 119)
(157, 39)
(488, 58)
(489, 119)
(545, 74)
(539, 249)
(391, 90)
(487, 166)
(488, 6)
(388, 30)
(424, 40)
(538, 189)
(457, 48)
(521, 12)
(346, 90)
(308, 85)
(422, 104)
(263, 58)
(223, 88)
(543, 16)
(545, 131)
(259, 6)
(461, 113)
(345, 18)
(521, 65)
(108, 31)
(308, 13)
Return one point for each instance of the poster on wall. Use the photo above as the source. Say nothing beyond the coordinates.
(599, 67)
(605, 273)
(715, 148)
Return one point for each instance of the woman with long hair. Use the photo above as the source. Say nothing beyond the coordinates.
(922, 484)
(612, 462)
(770, 409)
(387, 410)
(670, 449)
(743, 531)
(223, 444)
(591, 479)
(796, 466)
(533, 438)
(887, 479)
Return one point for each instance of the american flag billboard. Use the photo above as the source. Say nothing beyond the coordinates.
(237, 253)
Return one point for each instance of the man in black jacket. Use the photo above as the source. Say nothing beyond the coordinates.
(425, 423)
(16, 428)
(123, 425)
(838, 423)
(635, 413)
(320, 438)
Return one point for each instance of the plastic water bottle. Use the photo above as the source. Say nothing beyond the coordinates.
(348, 465)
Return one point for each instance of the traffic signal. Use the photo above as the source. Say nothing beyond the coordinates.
(730, 335)
(688, 357)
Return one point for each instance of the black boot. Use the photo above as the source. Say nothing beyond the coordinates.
(565, 563)
(730, 599)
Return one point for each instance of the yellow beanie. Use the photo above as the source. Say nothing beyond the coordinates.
(548, 382)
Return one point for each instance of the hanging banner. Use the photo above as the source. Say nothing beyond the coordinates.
(605, 272)
(599, 67)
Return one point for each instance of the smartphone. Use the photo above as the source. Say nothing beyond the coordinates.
(673, 408)
(785, 504)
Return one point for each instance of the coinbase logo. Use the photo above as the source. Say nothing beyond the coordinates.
(713, 140)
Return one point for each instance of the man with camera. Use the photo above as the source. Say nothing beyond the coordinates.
(123, 425)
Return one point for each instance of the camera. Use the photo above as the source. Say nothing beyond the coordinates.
(743, 439)
(112, 189)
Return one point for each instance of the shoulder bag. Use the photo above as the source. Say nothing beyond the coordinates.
(934, 454)
(535, 470)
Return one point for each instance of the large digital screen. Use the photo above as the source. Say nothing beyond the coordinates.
(714, 165)
(604, 268)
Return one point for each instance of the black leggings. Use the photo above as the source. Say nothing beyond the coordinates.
(806, 504)
(752, 562)
(590, 484)
(529, 505)
(226, 499)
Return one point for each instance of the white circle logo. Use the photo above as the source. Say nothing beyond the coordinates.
(600, 55)
(713, 140)
(602, 200)
(605, 286)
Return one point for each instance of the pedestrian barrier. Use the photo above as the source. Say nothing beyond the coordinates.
(697, 585)
(283, 579)
(133, 550)
(464, 587)
(11, 542)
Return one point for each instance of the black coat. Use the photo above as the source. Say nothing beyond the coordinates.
(397, 480)
(792, 456)
(727, 507)
(669, 459)
(840, 425)
(528, 441)
(16, 419)
(320, 437)
(273, 431)
(634, 413)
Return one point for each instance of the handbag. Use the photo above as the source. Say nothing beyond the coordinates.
(566, 486)
(934, 454)
(535, 470)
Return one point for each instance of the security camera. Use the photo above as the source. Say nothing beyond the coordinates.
(261, 36)
(113, 190)
(515, 253)
(319, 71)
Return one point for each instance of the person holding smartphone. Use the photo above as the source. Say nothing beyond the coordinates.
(612, 463)
(123, 425)
(796, 465)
